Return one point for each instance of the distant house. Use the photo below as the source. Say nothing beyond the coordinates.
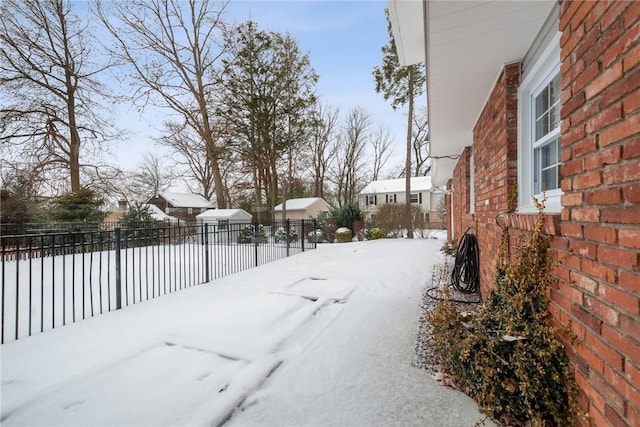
(224, 225)
(221, 218)
(114, 215)
(183, 206)
(156, 213)
(303, 208)
(381, 192)
(159, 215)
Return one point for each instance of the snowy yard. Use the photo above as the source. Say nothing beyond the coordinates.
(322, 338)
(43, 293)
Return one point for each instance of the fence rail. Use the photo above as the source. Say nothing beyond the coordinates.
(52, 279)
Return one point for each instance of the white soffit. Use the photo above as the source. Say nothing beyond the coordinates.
(468, 43)
(407, 26)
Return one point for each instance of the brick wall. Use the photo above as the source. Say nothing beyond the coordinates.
(462, 219)
(495, 172)
(596, 244)
(600, 225)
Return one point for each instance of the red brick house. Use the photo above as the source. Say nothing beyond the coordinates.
(527, 98)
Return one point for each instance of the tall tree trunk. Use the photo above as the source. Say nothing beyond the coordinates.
(407, 173)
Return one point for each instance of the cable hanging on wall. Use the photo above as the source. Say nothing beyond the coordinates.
(465, 275)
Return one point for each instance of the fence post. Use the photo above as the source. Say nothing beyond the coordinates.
(116, 233)
(256, 240)
(302, 235)
(206, 251)
(287, 234)
(315, 234)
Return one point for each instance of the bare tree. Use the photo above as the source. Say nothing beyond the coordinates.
(47, 64)
(349, 166)
(382, 149)
(188, 147)
(152, 176)
(420, 136)
(171, 48)
(322, 144)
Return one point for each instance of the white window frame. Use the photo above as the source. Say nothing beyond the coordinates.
(370, 199)
(417, 198)
(541, 74)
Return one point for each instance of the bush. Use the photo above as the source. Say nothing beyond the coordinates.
(246, 235)
(358, 229)
(347, 216)
(449, 248)
(330, 231)
(343, 235)
(377, 233)
(281, 235)
(315, 236)
(507, 356)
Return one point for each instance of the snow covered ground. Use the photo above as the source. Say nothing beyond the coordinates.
(322, 338)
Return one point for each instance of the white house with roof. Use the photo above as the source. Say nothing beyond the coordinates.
(184, 206)
(423, 194)
(223, 217)
(224, 225)
(303, 208)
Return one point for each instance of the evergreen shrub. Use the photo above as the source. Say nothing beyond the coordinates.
(507, 355)
(343, 235)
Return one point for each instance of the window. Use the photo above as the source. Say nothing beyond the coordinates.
(539, 133)
(546, 144)
(189, 211)
(373, 216)
(372, 199)
(390, 198)
(223, 224)
(413, 198)
(426, 217)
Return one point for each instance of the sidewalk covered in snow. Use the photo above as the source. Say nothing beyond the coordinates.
(322, 338)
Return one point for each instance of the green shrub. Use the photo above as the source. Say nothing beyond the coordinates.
(347, 216)
(507, 356)
(449, 248)
(246, 235)
(281, 235)
(343, 235)
(315, 236)
(377, 233)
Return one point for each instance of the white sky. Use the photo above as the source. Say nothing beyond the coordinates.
(321, 338)
(343, 39)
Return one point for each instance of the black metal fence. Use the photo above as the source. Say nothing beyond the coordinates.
(52, 279)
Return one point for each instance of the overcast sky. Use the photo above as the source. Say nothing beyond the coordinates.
(343, 39)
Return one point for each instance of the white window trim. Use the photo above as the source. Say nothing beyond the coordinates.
(541, 73)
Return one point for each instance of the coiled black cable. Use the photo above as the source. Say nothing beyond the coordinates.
(465, 276)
